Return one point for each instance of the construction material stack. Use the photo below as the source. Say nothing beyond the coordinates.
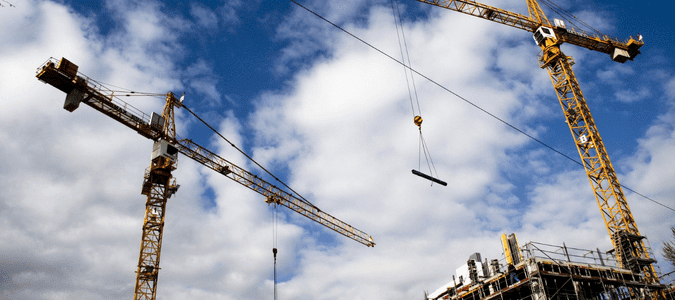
(545, 272)
(630, 246)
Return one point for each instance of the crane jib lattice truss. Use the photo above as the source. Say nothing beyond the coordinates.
(626, 239)
(158, 183)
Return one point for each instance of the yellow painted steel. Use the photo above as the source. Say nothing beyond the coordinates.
(589, 40)
(602, 177)
(272, 193)
(511, 251)
(418, 121)
(536, 14)
(608, 193)
(486, 12)
(159, 185)
(507, 250)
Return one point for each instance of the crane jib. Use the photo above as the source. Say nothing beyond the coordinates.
(79, 88)
(273, 193)
(632, 251)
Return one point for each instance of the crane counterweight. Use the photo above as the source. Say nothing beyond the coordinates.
(600, 172)
(158, 183)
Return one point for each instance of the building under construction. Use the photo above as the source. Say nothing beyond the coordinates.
(539, 271)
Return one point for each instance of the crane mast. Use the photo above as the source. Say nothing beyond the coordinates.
(158, 186)
(158, 183)
(626, 239)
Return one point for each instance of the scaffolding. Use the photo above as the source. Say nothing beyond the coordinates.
(549, 272)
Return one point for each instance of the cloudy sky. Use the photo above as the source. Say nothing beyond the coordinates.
(330, 116)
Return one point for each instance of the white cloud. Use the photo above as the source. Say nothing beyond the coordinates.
(597, 20)
(630, 96)
(71, 209)
(348, 122)
(615, 73)
(351, 114)
(228, 12)
(670, 89)
(204, 80)
(651, 170)
(205, 17)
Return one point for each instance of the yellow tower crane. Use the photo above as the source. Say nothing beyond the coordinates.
(158, 184)
(626, 239)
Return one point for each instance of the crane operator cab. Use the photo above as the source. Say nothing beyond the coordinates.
(162, 148)
(543, 33)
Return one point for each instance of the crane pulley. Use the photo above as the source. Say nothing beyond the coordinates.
(620, 51)
(159, 184)
(626, 239)
(417, 119)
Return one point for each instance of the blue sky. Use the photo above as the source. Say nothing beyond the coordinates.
(332, 118)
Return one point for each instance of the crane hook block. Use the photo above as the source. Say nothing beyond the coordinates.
(418, 121)
(425, 176)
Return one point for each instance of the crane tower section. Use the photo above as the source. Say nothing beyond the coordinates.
(158, 183)
(626, 239)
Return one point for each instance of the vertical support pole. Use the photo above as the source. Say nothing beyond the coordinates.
(536, 282)
(602, 262)
(454, 286)
(566, 253)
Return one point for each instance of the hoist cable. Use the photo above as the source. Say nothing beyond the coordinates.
(442, 87)
(419, 153)
(466, 100)
(427, 156)
(123, 90)
(247, 156)
(275, 230)
(10, 4)
(566, 15)
(405, 43)
(398, 21)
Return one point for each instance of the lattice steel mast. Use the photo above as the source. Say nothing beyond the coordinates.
(158, 184)
(626, 238)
